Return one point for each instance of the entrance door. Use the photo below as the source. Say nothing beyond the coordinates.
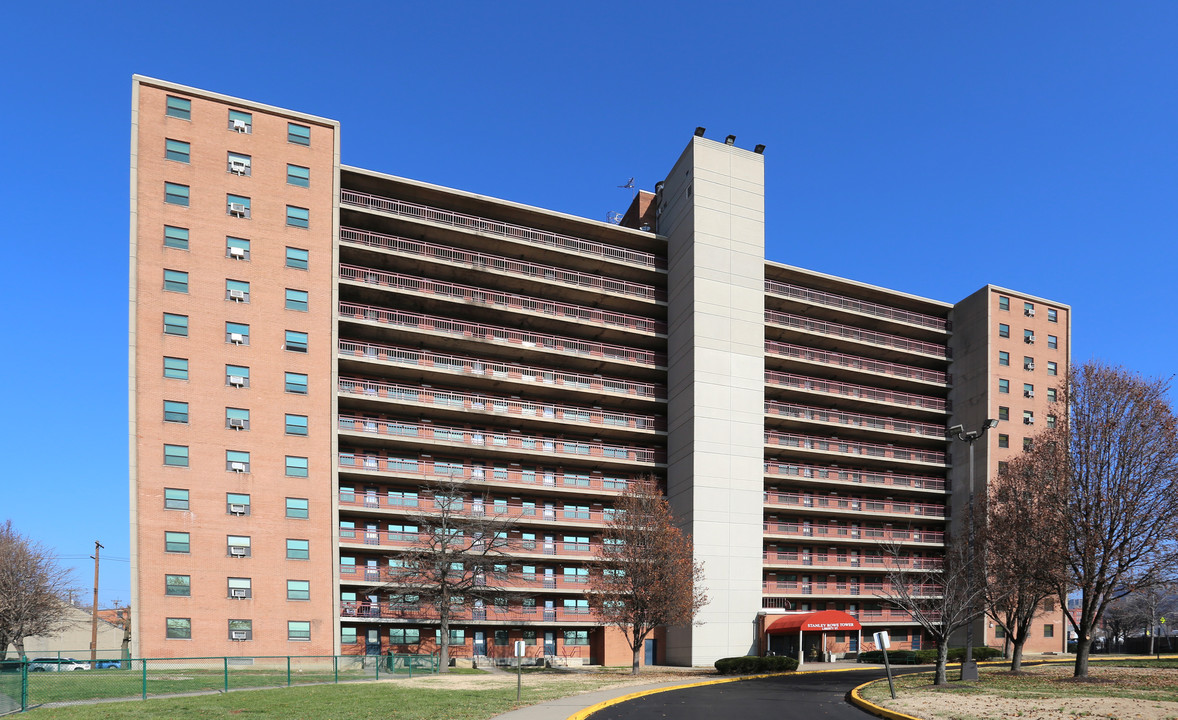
(549, 614)
(372, 642)
(480, 642)
(549, 638)
(651, 648)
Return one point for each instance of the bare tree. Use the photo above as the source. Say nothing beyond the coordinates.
(942, 599)
(1120, 485)
(1022, 545)
(646, 576)
(33, 588)
(451, 565)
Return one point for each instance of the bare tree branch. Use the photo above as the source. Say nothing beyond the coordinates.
(32, 590)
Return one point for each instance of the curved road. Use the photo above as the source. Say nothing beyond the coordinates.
(787, 697)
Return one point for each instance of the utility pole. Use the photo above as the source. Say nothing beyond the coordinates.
(94, 610)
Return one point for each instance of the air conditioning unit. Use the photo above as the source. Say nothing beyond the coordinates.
(1029, 339)
(1029, 393)
(1028, 421)
(236, 338)
(237, 295)
(237, 467)
(237, 209)
(238, 634)
(238, 167)
(238, 593)
(237, 551)
(236, 381)
(237, 509)
(237, 253)
(237, 423)
(240, 126)
(1029, 366)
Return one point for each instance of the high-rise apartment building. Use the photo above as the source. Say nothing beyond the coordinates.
(313, 345)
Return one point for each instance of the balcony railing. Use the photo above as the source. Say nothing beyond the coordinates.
(822, 587)
(494, 581)
(479, 331)
(499, 441)
(873, 615)
(499, 370)
(502, 229)
(501, 300)
(848, 447)
(811, 472)
(859, 392)
(860, 420)
(481, 261)
(468, 507)
(853, 504)
(396, 611)
(430, 469)
(854, 362)
(846, 532)
(512, 548)
(797, 322)
(513, 407)
(865, 562)
(796, 292)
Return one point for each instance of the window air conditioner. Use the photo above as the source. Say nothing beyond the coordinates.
(237, 467)
(1029, 312)
(240, 126)
(1029, 339)
(1029, 366)
(236, 381)
(236, 338)
(1028, 421)
(236, 252)
(238, 635)
(238, 167)
(237, 209)
(236, 551)
(237, 593)
(237, 509)
(237, 295)
(1029, 393)
(237, 423)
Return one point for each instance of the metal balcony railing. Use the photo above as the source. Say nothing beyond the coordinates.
(513, 407)
(852, 532)
(499, 370)
(486, 261)
(854, 362)
(469, 507)
(851, 419)
(511, 549)
(823, 587)
(853, 504)
(849, 447)
(490, 613)
(858, 392)
(497, 440)
(494, 333)
(797, 322)
(865, 562)
(494, 581)
(796, 292)
(431, 469)
(502, 229)
(500, 300)
(814, 472)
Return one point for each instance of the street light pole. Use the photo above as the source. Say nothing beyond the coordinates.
(969, 669)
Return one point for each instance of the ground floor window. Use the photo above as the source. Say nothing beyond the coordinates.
(576, 637)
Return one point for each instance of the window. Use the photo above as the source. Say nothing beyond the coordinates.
(298, 589)
(177, 150)
(1028, 390)
(457, 637)
(298, 630)
(241, 630)
(1048, 630)
(237, 248)
(175, 281)
(178, 585)
(1029, 309)
(297, 175)
(499, 638)
(237, 460)
(1002, 465)
(1003, 441)
(1003, 302)
(576, 637)
(296, 466)
(1028, 417)
(237, 545)
(1028, 362)
(176, 194)
(1050, 394)
(237, 333)
(176, 368)
(179, 629)
(237, 504)
(237, 418)
(1050, 421)
(176, 542)
(175, 324)
(298, 217)
(1052, 342)
(404, 636)
(237, 375)
(1003, 413)
(999, 632)
(237, 290)
(298, 549)
(1029, 337)
(176, 237)
(1003, 330)
(347, 635)
(1003, 386)
(175, 411)
(296, 383)
(296, 425)
(296, 258)
(1052, 368)
(175, 499)
(296, 508)
(179, 107)
(176, 455)
(1027, 443)
(1052, 315)
(298, 134)
(237, 206)
(296, 299)
(243, 586)
(296, 341)
(1003, 358)
(241, 122)
(238, 164)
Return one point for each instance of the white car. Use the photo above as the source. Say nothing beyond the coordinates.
(52, 664)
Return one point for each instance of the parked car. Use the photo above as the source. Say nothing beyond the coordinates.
(107, 664)
(52, 664)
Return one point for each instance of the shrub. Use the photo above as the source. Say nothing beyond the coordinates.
(751, 664)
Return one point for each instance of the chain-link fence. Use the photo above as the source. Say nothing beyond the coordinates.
(47, 680)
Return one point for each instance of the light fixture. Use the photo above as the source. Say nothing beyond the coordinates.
(991, 423)
(760, 149)
(956, 429)
(699, 132)
(730, 140)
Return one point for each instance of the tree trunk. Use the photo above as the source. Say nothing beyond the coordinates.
(942, 661)
(444, 640)
(1083, 648)
(1151, 640)
(19, 644)
(1016, 660)
(634, 670)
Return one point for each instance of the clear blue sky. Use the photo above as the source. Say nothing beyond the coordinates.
(931, 147)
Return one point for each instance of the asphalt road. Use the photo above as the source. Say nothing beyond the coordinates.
(789, 697)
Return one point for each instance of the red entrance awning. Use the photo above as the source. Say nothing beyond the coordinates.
(823, 620)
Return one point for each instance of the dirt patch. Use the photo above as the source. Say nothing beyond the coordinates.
(579, 682)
